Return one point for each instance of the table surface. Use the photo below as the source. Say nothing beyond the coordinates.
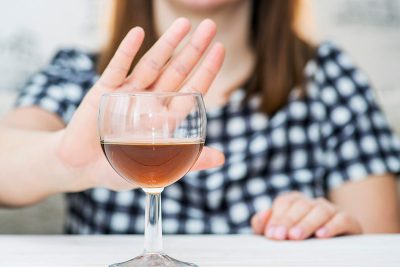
(228, 250)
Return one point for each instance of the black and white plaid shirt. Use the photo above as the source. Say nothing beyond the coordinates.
(335, 134)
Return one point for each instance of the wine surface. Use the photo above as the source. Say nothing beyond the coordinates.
(152, 165)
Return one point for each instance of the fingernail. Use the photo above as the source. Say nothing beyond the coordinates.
(296, 233)
(321, 232)
(270, 232)
(280, 232)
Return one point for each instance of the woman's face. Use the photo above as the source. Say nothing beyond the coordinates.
(205, 4)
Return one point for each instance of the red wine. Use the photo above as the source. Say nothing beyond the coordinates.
(152, 165)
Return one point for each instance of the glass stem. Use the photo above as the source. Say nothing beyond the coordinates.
(153, 226)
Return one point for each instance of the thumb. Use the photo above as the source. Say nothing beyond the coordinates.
(209, 158)
(260, 220)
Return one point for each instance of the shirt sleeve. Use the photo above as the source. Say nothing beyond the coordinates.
(358, 141)
(60, 87)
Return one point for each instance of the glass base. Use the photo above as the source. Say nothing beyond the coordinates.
(153, 260)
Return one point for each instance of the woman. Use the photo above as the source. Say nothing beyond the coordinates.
(308, 151)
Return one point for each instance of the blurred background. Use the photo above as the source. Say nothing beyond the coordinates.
(32, 31)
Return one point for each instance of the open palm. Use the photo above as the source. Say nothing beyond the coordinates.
(160, 69)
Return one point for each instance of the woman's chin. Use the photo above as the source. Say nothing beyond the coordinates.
(205, 4)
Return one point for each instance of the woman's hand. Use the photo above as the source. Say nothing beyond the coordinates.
(294, 216)
(160, 69)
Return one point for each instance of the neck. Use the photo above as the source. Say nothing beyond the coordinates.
(233, 22)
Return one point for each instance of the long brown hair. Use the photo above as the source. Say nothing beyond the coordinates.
(281, 54)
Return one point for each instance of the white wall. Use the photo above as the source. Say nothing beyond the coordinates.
(31, 31)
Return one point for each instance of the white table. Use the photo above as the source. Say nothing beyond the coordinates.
(241, 250)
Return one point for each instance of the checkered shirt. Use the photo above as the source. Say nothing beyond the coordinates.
(335, 134)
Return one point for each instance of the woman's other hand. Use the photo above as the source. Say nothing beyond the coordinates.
(160, 69)
(294, 216)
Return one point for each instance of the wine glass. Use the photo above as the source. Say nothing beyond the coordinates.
(152, 140)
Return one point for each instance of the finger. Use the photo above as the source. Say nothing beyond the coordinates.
(259, 220)
(296, 212)
(201, 80)
(340, 224)
(279, 207)
(150, 65)
(180, 66)
(112, 77)
(117, 70)
(209, 158)
(207, 71)
(316, 218)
